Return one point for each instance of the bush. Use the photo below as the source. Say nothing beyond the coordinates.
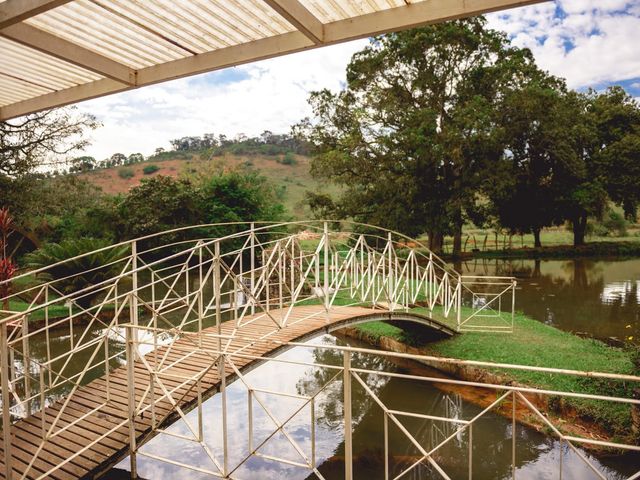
(149, 169)
(289, 159)
(70, 274)
(125, 173)
(615, 223)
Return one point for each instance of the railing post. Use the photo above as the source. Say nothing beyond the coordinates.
(326, 267)
(133, 305)
(217, 289)
(513, 302)
(26, 354)
(253, 268)
(131, 391)
(348, 428)
(513, 435)
(459, 302)
(390, 273)
(223, 393)
(6, 401)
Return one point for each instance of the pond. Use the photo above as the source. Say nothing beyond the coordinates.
(537, 455)
(594, 296)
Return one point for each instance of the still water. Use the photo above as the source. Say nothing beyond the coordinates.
(597, 297)
(537, 456)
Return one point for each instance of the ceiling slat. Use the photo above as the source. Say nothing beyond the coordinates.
(14, 11)
(65, 50)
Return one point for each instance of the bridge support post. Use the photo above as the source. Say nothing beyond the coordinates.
(6, 401)
(133, 305)
(131, 397)
(348, 427)
(326, 266)
(252, 240)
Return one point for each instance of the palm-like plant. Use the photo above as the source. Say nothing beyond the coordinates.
(72, 270)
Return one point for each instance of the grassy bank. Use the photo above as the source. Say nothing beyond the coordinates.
(534, 343)
(595, 249)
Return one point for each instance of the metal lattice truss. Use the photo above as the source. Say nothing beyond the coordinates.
(57, 52)
(209, 296)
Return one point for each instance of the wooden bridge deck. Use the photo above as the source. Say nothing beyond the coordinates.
(108, 426)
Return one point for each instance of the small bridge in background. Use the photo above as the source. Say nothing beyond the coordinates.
(105, 357)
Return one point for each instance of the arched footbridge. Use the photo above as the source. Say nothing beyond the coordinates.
(111, 347)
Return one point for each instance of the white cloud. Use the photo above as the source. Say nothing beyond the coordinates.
(589, 42)
(270, 95)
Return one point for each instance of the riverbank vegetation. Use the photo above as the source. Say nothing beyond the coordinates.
(536, 344)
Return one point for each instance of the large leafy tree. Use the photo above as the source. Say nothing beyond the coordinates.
(528, 186)
(615, 117)
(42, 139)
(411, 135)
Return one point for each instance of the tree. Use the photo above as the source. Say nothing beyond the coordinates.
(527, 186)
(42, 140)
(118, 159)
(239, 197)
(82, 164)
(158, 204)
(616, 120)
(411, 135)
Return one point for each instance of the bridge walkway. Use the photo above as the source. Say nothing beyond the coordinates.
(106, 428)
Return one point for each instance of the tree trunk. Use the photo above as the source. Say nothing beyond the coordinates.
(436, 240)
(536, 238)
(457, 242)
(579, 229)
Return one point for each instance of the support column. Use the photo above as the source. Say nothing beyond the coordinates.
(326, 267)
(131, 391)
(348, 426)
(6, 401)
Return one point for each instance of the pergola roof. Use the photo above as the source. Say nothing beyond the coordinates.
(57, 52)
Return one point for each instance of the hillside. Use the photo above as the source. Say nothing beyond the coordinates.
(292, 181)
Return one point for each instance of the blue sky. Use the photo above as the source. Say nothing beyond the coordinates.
(591, 43)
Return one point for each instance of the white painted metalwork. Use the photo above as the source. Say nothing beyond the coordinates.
(64, 51)
(173, 285)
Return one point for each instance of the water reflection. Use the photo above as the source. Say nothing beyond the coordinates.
(598, 297)
(537, 456)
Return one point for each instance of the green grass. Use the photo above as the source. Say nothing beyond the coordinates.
(55, 311)
(536, 344)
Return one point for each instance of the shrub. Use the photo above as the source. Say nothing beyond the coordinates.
(289, 159)
(149, 169)
(615, 222)
(74, 275)
(125, 173)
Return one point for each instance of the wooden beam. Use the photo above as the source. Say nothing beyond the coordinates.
(399, 18)
(414, 15)
(297, 15)
(69, 52)
(15, 11)
(225, 57)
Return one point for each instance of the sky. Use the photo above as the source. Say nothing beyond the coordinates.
(591, 43)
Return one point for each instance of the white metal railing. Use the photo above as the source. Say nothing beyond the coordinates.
(513, 400)
(71, 328)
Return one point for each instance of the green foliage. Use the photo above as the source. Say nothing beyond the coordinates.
(157, 204)
(239, 196)
(149, 169)
(410, 138)
(97, 266)
(615, 223)
(125, 173)
(289, 159)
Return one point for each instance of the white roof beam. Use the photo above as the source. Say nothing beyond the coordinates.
(399, 18)
(297, 15)
(14, 11)
(414, 15)
(225, 57)
(69, 52)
